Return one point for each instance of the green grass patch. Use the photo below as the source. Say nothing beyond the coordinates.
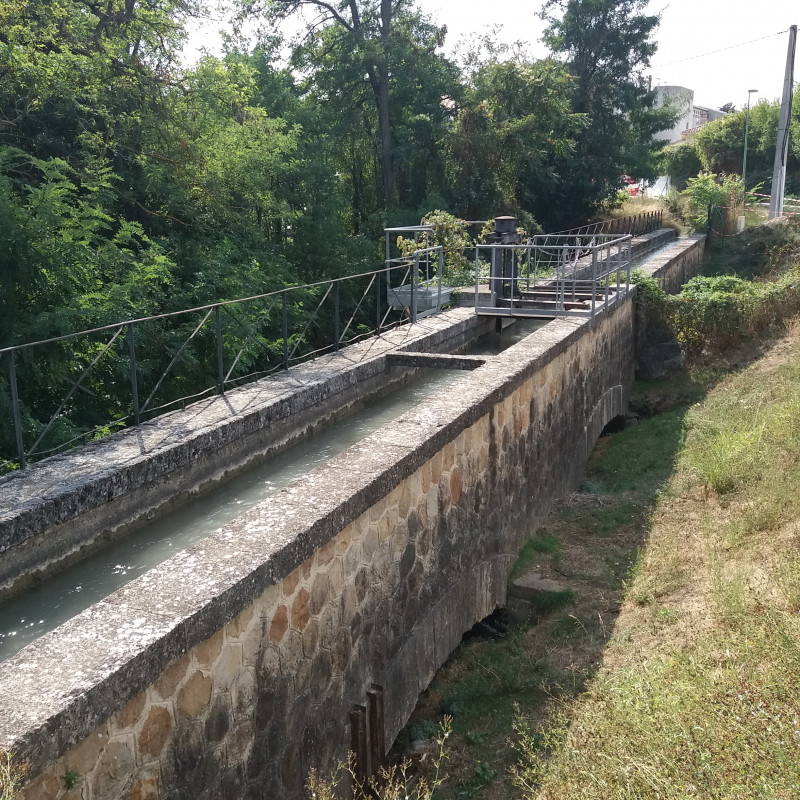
(641, 457)
(544, 602)
(532, 549)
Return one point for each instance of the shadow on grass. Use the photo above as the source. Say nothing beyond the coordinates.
(590, 545)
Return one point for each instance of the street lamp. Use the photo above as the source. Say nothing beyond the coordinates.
(746, 130)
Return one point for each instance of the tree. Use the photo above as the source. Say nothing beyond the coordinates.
(607, 45)
(720, 144)
(680, 162)
(512, 148)
(367, 29)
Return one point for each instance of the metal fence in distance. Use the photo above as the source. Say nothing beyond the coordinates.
(552, 276)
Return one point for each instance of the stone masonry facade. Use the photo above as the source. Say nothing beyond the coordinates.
(413, 535)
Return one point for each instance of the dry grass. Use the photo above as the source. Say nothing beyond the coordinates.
(699, 693)
(675, 671)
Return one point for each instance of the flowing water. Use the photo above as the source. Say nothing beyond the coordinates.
(32, 613)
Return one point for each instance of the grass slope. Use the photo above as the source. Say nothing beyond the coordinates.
(674, 671)
(699, 692)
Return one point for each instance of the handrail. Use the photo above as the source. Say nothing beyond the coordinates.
(248, 342)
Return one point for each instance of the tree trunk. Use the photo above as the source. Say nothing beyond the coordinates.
(380, 88)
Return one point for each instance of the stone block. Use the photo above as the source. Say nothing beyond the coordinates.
(145, 788)
(243, 693)
(207, 652)
(129, 715)
(218, 719)
(320, 593)
(455, 485)
(47, 786)
(300, 610)
(532, 586)
(155, 732)
(290, 583)
(166, 686)
(85, 756)
(228, 667)
(326, 554)
(113, 775)
(195, 695)
(242, 622)
(311, 639)
(279, 624)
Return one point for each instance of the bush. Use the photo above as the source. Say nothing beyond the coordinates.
(708, 194)
(392, 783)
(715, 312)
(11, 775)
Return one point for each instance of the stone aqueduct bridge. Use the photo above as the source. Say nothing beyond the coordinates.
(229, 671)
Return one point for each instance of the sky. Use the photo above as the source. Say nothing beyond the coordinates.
(751, 57)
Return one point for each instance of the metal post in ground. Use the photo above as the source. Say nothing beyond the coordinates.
(377, 734)
(358, 743)
(12, 377)
(133, 374)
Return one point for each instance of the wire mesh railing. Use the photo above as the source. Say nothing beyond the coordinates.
(66, 390)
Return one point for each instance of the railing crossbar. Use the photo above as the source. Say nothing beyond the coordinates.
(177, 356)
(72, 391)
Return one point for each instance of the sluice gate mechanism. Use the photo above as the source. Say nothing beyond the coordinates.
(549, 275)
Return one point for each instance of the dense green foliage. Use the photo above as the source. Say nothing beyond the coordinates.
(713, 312)
(132, 185)
(719, 147)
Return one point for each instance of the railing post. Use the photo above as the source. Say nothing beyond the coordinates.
(377, 302)
(441, 268)
(594, 279)
(477, 268)
(220, 357)
(134, 377)
(336, 313)
(414, 288)
(12, 377)
(285, 332)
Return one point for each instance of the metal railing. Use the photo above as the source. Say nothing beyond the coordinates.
(553, 276)
(422, 292)
(119, 368)
(634, 224)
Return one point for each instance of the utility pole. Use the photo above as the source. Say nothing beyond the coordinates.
(746, 130)
(782, 146)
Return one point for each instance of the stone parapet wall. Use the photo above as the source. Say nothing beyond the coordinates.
(426, 516)
(675, 266)
(229, 671)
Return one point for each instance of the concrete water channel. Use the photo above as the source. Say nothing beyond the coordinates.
(32, 612)
(230, 669)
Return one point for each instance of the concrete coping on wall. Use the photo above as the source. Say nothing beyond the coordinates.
(63, 487)
(60, 688)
